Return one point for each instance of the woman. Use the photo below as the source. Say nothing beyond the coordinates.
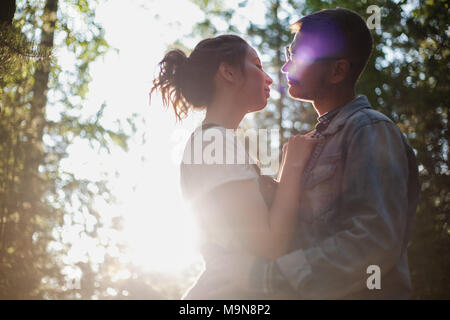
(237, 208)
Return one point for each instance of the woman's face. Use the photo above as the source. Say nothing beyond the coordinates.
(255, 89)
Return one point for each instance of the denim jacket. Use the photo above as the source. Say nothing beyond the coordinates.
(360, 193)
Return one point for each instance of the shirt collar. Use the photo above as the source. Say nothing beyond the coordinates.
(324, 120)
(326, 117)
(341, 114)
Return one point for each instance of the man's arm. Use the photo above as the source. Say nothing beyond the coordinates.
(374, 218)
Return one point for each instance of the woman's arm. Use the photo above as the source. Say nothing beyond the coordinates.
(264, 231)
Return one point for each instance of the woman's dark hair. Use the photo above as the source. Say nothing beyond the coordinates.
(188, 82)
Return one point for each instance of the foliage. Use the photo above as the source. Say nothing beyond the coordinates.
(16, 49)
(39, 199)
(54, 242)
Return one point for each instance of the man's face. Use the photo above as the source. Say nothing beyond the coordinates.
(306, 70)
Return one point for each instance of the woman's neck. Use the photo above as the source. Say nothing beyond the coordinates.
(225, 114)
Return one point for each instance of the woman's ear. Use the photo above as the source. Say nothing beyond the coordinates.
(227, 72)
(340, 71)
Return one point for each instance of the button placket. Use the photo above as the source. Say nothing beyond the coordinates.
(313, 159)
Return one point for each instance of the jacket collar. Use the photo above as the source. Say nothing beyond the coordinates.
(345, 112)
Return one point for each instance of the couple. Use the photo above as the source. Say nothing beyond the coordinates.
(345, 196)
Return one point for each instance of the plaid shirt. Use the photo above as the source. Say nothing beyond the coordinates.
(323, 121)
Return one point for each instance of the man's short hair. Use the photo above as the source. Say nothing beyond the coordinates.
(343, 29)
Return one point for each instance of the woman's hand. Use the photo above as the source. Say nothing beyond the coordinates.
(297, 151)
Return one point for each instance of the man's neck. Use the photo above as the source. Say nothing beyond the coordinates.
(333, 101)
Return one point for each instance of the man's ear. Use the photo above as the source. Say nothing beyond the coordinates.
(227, 72)
(340, 71)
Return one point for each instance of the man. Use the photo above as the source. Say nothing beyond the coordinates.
(360, 189)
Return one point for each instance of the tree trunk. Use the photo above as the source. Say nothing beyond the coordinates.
(7, 10)
(41, 76)
(33, 186)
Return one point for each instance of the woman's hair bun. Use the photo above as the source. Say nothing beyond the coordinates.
(169, 81)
